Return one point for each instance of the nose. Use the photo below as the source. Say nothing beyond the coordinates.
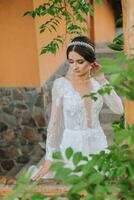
(75, 65)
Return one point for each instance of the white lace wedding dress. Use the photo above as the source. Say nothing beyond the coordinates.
(74, 120)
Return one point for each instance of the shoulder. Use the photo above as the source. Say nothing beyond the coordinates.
(58, 85)
(98, 85)
(58, 82)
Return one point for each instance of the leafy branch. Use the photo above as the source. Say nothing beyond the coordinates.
(58, 11)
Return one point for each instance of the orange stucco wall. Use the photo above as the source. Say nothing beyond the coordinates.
(48, 63)
(18, 50)
(104, 23)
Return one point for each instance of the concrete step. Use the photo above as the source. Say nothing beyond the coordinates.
(102, 50)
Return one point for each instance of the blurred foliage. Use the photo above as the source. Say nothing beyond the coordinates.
(26, 189)
(119, 22)
(107, 175)
(121, 74)
(118, 43)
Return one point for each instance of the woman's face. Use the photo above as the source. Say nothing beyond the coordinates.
(78, 64)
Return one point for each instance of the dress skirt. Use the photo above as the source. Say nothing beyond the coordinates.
(87, 141)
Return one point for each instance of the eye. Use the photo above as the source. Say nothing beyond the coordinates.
(80, 61)
(70, 61)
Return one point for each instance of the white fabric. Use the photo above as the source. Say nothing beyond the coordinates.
(68, 125)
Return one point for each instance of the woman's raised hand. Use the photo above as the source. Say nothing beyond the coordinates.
(96, 67)
(43, 170)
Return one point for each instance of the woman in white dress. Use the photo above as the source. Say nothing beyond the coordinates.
(74, 121)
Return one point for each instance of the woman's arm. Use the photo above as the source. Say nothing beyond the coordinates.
(112, 100)
(53, 129)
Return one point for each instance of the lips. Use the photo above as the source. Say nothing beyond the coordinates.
(76, 70)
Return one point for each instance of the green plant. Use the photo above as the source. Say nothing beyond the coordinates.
(26, 189)
(23, 188)
(121, 73)
(58, 11)
(118, 43)
(107, 175)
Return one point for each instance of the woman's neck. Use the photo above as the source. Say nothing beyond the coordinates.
(81, 79)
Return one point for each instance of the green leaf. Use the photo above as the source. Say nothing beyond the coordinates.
(116, 47)
(121, 171)
(37, 196)
(99, 1)
(122, 91)
(121, 135)
(77, 157)
(62, 173)
(88, 167)
(53, 27)
(56, 166)
(96, 178)
(80, 18)
(78, 168)
(100, 192)
(69, 152)
(116, 79)
(91, 9)
(57, 155)
(27, 13)
(72, 179)
(85, 30)
(111, 188)
(131, 171)
(78, 187)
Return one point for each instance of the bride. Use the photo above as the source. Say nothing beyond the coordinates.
(74, 121)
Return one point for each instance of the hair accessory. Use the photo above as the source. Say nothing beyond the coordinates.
(81, 44)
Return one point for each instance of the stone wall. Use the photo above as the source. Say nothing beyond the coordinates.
(24, 115)
(22, 125)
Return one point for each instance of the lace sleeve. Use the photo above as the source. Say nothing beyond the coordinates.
(113, 101)
(55, 126)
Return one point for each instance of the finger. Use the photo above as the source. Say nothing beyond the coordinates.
(38, 175)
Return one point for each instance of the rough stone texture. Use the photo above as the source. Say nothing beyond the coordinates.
(22, 126)
(29, 133)
(7, 164)
(3, 126)
(9, 135)
(23, 159)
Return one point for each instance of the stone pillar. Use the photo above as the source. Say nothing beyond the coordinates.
(128, 23)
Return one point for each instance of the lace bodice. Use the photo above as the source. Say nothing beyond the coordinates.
(71, 111)
(76, 110)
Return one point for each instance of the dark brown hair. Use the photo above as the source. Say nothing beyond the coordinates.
(87, 53)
